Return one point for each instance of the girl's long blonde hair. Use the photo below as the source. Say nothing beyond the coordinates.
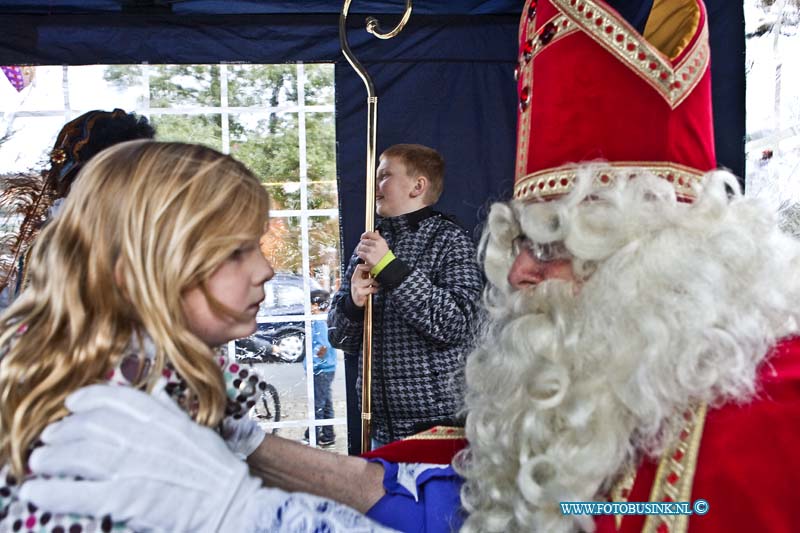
(144, 222)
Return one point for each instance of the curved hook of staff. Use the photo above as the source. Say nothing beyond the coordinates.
(373, 27)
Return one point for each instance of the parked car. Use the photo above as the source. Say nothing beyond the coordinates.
(283, 341)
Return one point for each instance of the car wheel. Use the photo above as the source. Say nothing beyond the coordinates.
(250, 351)
(290, 347)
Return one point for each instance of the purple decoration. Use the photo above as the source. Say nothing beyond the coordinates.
(18, 78)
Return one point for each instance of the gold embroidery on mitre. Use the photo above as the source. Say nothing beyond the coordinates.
(605, 27)
(524, 18)
(550, 32)
(525, 65)
(439, 433)
(523, 140)
(555, 182)
(533, 41)
(675, 474)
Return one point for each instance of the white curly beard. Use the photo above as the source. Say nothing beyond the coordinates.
(570, 385)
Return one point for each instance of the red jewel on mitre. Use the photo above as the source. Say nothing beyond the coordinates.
(594, 89)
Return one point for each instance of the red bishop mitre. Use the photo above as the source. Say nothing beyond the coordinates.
(593, 88)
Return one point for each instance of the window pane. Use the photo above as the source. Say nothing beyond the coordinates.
(319, 84)
(262, 85)
(106, 87)
(323, 194)
(203, 129)
(281, 244)
(290, 380)
(283, 195)
(274, 342)
(773, 114)
(184, 103)
(323, 250)
(184, 85)
(321, 146)
(45, 93)
(289, 296)
(339, 405)
(28, 144)
(268, 144)
(270, 350)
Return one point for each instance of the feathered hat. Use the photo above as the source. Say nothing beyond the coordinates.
(32, 196)
(82, 138)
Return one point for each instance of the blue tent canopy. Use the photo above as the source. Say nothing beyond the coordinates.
(251, 7)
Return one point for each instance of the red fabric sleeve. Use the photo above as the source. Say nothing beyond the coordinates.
(748, 466)
(428, 447)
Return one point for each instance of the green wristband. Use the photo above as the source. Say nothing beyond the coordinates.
(385, 260)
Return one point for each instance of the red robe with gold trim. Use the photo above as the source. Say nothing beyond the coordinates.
(748, 465)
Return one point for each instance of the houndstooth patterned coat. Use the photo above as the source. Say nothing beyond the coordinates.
(424, 316)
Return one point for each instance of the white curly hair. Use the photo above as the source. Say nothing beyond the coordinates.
(569, 386)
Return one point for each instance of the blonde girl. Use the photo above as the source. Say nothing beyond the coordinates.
(152, 263)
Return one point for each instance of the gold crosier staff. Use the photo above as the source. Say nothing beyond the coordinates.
(372, 124)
